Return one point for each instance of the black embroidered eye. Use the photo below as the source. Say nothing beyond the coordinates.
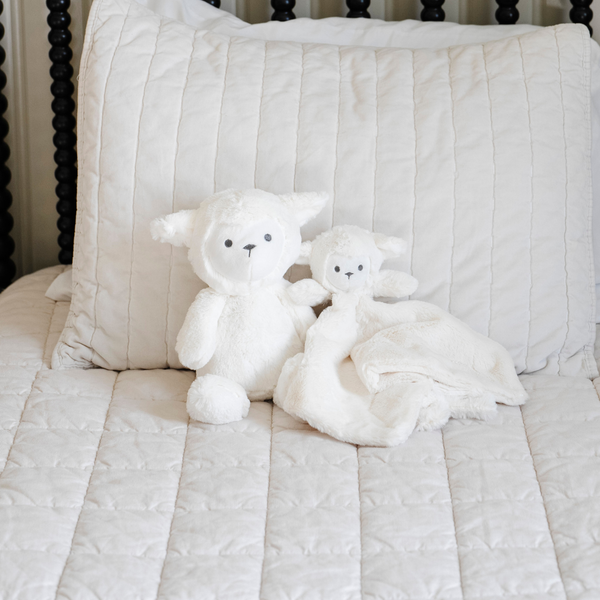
(228, 243)
(360, 267)
(337, 269)
(268, 237)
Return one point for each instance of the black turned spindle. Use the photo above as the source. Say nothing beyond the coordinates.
(507, 13)
(433, 10)
(7, 245)
(283, 10)
(582, 13)
(358, 8)
(65, 140)
(215, 3)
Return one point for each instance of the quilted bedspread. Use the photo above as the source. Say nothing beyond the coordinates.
(108, 491)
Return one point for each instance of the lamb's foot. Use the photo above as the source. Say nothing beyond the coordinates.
(217, 400)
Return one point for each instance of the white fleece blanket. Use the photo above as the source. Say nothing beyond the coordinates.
(372, 372)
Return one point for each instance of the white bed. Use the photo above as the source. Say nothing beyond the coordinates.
(108, 491)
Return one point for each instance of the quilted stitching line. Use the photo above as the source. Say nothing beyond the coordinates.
(112, 396)
(139, 510)
(487, 75)
(171, 248)
(92, 430)
(28, 395)
(299, 111)
(412, 248)
(561, 357)
(291, 271)
(93, 508)
(174, 509)
(221, 112)
(360, 523)
(376, 53)
(451, 275)
(373, 554)
(119, 469)
(97, 284)
(19, 425)
(262, 570)
(260, 109)
(134, 194)
(460, 574)
(128, 555)
(528, 349)
(470, 547)
(337, 139)
(317, 505)
(48, 334)
(537, 478)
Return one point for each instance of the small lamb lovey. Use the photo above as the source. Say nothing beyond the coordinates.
(240, 330)
(372, 372)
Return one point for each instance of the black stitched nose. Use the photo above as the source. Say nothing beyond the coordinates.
(249, 247)
(349, 274)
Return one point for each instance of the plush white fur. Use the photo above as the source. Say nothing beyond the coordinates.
(176, 229)
(239, 331)
(371, 372)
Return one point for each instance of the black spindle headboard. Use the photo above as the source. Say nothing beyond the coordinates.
(507, 13)
(63, 106)
(283, 10)
(65, 139)
(582, 13)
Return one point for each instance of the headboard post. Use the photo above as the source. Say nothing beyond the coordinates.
(358, 9)
(7, 245)
(582, 13)
(64, 124)
(507, 12)
(432, 10)
(283, 10)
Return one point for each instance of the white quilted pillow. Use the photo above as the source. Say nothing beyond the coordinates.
(401, 34)
(477, 155)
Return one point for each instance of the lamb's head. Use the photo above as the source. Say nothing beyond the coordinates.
(240, 240)
(348, 259)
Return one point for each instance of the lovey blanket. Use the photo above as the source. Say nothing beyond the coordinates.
(372, 372)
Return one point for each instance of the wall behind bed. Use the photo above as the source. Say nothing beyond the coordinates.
(30, 114)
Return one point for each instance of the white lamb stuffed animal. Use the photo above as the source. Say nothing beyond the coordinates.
(371, 372)
(239, 331)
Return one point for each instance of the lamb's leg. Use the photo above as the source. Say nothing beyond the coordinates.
(217, 400)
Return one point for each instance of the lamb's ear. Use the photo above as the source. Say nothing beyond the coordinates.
(175, 229)
(304, 256)
(390, 246)
(305, 206)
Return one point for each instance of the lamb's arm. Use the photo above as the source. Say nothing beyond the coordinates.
(307, 292)
(197, 339)
(394, 284)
